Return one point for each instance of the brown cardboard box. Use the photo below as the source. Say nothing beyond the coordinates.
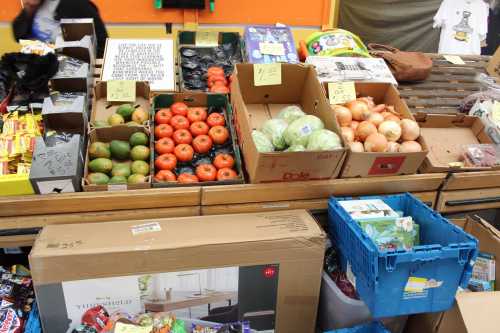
(494, 65)
(445, 136)
(284, 249)
(107, 134)
(382, 164)
(253, 105)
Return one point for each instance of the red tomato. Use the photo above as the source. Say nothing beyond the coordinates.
(216, 80)
(166, 162)
(206, 172)
(179, 122)
(215, 70)
(184, 152)
(197, 114)
(163, 131)
(179, 108)
(163, 116)
(219, 134)
(165, 176)
(164, 146)
(182, 136)
(186, 178)
(202, 144)
(199, 128)
(219, 89)
(216, 119)
(226, 174)
(223, 161)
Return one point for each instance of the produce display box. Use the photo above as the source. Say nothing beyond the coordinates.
(399, 282)
(78, 80)
(69, 114)
(75, 30)
(194, 99)
(368, 164)
(107, 134)
(102, 109)
(253, 105)
(444, 136)
(255, 36)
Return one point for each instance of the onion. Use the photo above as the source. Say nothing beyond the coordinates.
(390, 129)
(343, 114)
(354, 125)
(359, 110)
(379, 108)
(347, 134)
(391, 116)
(410, 147)
(411, 130)
(368, 101)
(357, 147)
(393, 147)
(376, 142)
(364, 129)
(376, 119)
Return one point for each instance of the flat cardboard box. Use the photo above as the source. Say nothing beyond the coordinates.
(107, 134)
(274, 258)
(76, 29)
(102, 109)
(253, 105)
(82, 49)
(71, 118)
(445, 136)
(382, 164)
(78, 81)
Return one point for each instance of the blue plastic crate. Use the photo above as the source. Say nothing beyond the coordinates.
(398, 282)
(374, 327)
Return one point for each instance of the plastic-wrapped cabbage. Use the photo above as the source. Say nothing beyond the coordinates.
(291, 113)
(324, 139)
(298, 132)
(296, 148)
(263, 144)
(274, 130)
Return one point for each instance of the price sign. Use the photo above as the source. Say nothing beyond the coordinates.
(207, 38)
(121, 91)
(272, 49)
(126, 328)
(341, 92)
(267, 74)
(455, 60)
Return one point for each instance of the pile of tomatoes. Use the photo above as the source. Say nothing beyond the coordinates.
(192, 144)
(216, 80)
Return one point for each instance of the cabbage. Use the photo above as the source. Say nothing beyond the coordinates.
(324, 139)
(291, 113)
(274, 130)
(262, 143)
(296, 148)
(298, 132)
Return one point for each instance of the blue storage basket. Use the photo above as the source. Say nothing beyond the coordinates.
(374, 327)
(399, 282)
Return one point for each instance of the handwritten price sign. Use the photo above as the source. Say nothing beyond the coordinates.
(267, 74)
(207, 38)
(121, 91)
(341, 92)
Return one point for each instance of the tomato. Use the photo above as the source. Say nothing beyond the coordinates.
(199, 128)
(182, 136)
(220, 89)
(215, 70)
(166, 162)
(184, 152)
(219, 134)
(163, 116)
(226, 174)
(179, 108)
(216, 80)
(179, 122)
(163, 131)
(197, 114)
(216, 119)
(206, 172)
(165, 176)
(187, 178)
(223, 161)
(202, 144)
(164, 146)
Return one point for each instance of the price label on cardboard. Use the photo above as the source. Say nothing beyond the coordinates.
(206, 38)
(121, 91)
(455, 60)
(341, 92)
(267, 74)
(274, 49)
(127, 328)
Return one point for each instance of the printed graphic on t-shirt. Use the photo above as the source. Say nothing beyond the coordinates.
(463, 30)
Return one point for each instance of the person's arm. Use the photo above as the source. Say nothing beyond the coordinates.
(21, 26)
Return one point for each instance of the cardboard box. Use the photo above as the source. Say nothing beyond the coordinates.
(66, 112)
(445, 136)
(15, 185)
(108, 134)
(72, 76)
(74, 30)
(82, 49)
(102, 109)
(253, 105)
(276, 287)
(382, 164)
(494, 65)
(57, 165)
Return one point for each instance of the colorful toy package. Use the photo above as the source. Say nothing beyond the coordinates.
(336, 43)
(243, 327)
(269, 44)
(392, 234)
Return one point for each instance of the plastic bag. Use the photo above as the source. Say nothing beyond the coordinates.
(482, 155)
(392, 234)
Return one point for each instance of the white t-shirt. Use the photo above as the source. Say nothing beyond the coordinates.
(464, 24)
(45, 28)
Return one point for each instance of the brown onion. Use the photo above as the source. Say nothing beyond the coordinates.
(391, 130)
(379, 108)
(357, 147)
(411, 130)
(364, 129)
(393, 147)
(376, 119)
(376, 143)
(410, 147)
(368, 101)
(343, 114)
(391, 116)
(359, 110)
(354, 125)
(347, 134)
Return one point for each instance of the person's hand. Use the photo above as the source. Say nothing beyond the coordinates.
(30, 6)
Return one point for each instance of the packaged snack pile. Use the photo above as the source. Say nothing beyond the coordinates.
(243, 327)
(483, 273)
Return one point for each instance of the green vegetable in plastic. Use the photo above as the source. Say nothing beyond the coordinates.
(274, 129)
(291, 113)
(298, 132)
(263, 144)
(324, 139)
(296, 148)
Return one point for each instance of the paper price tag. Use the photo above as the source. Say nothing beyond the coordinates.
(272, 49)
(341, 92)
(121, 91)
(455, 60)
(127, 328)
(207, 38)
(267, 74)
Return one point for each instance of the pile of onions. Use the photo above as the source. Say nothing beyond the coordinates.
(410, 147)
(364, 130)
(411, 130)
(376, 143)
(391, 130)
(360, 110)
(357, 147)
(344, 115)
(347, 134)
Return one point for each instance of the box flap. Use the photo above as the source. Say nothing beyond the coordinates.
(494, 65)
(480, 311)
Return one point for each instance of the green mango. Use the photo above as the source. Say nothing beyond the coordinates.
(125, 110)
(120, 149)
(99, 149)
(140, 167)
(103, 165)
(121, 169)
(136, 179)
(118, 180)
(98, 178)
(138, 139)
